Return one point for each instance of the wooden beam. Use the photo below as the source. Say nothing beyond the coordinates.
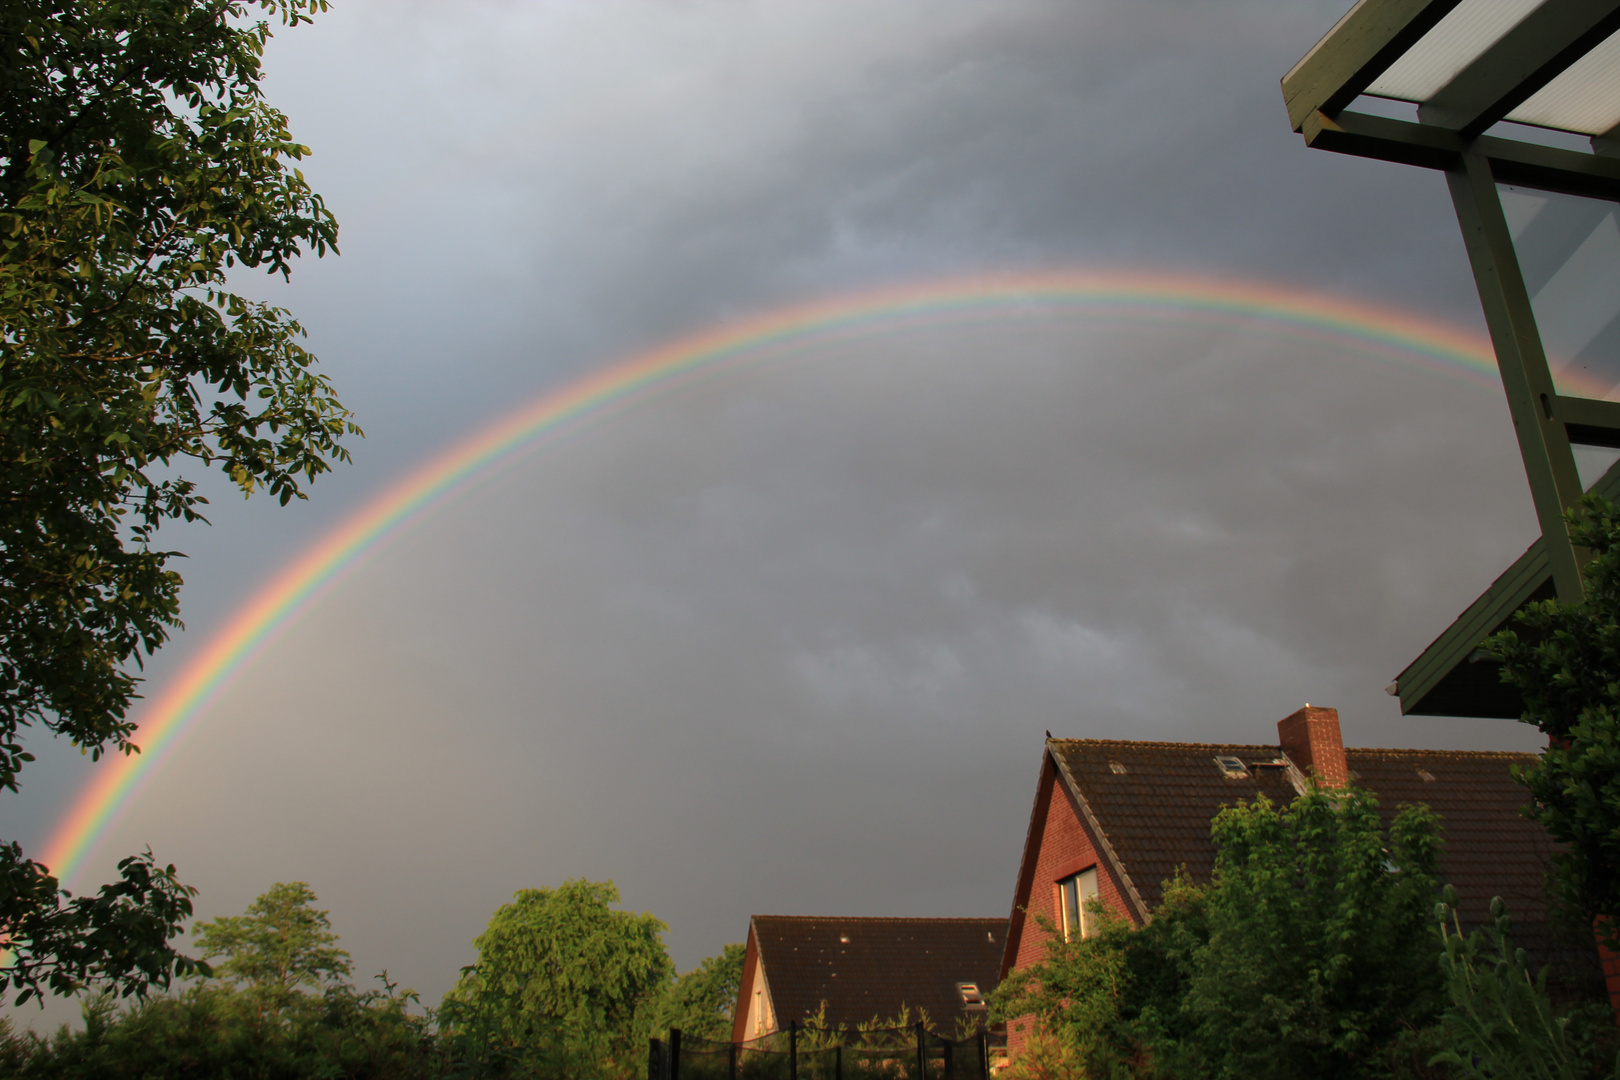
(1589, 421)
(1546, 168)
(1549, 462)
(1367, 40)
(1446, 665)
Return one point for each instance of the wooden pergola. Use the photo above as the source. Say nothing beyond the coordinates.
(1517, 102)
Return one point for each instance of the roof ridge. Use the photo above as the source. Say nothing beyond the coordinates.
(889, 918)
(1156, 743)
(1164, 744)
(1450, 753)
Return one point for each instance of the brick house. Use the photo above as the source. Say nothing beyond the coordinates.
(865, 968)
(1115, 818)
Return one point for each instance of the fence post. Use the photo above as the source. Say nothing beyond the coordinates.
(946, 1047)
(731, 1068)
(838, 1062)
(654, 1059)
(922, 1050)
(984, 1055)
(793, 1050)
(674, 1054)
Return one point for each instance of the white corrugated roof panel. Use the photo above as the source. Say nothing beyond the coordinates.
(1455, 42)
(1585, 98)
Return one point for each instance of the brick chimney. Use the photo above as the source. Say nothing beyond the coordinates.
(1310, 739)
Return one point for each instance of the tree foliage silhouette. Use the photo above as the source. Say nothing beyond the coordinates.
(139, 164)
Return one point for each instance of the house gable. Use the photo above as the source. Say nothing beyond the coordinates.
(1063, 839)
(753, 1015)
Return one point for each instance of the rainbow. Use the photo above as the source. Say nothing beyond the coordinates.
(1403, 338)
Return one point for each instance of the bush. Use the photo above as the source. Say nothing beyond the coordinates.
(219, 1031)
(1501, 1022)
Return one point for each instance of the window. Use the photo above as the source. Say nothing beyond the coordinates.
(1232, 768)
(1073, 894)
(972, 999)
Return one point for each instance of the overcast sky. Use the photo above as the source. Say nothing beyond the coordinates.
(787, 641)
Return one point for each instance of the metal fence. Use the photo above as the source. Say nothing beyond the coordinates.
(811, 1053)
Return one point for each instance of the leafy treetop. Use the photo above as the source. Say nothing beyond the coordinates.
(283, 942)
(562, 978)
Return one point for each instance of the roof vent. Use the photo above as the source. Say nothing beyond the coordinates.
(1232, 768)
(971, 998)
(844, 938)
(1116, 768)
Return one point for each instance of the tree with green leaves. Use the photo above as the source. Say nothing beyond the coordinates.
(1108, 1005)
(139, 164)
(563, 984)
(282, 943)
(701, 1001)
(1564, 659)
(1321, 944)
(118, 937)
(1310, 953)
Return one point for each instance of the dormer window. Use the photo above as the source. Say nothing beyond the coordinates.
(1232, 768)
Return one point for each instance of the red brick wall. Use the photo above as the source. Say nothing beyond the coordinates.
(1064, 846)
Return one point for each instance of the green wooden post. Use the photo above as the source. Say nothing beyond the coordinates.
(1549, 463)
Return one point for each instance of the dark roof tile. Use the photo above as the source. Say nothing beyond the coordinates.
(884, 964)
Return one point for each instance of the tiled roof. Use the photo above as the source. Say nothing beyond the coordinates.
(869, 967)
(1155, 812)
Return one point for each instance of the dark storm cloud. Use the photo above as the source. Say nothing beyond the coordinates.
(553, 186)
(789, 643)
